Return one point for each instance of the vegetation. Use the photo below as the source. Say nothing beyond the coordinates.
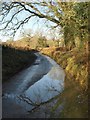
(15, 59)
(42, 42)
(76, 81)
(72, 19)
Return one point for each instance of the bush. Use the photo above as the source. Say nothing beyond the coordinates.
(42, 42)
(76, 82)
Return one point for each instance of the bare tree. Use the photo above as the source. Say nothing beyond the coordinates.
(10, 11)
(62, 14)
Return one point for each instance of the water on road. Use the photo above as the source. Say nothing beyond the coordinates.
(31, 88)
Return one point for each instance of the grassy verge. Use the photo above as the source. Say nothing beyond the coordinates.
(15, 59)
(75, 94)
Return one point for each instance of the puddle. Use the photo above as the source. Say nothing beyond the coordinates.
(26, 95)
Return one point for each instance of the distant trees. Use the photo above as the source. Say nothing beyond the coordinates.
(42, 42)
(72, 17)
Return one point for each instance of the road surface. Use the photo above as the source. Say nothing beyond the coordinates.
(24, 94)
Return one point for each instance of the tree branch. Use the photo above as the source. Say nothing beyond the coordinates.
(40, 15)
(28, 7)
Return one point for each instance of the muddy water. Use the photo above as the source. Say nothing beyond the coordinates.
(25, 94)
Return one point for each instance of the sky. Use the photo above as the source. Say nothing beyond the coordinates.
(47, 0)
(32, 25)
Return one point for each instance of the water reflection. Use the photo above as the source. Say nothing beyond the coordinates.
(41, 91)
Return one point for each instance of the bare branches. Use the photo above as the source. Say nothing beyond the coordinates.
(25, 21)
(37, 13)
(38, 9)
(28, 100)
(9, 21)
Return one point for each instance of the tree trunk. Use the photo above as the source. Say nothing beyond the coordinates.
(69, 37)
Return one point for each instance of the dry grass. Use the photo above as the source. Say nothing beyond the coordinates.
(75, 94)
(74, 63)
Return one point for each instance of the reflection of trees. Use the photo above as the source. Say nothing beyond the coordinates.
(52, 88)
(38, 95)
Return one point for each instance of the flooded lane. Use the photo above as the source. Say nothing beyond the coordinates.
(27, 77)
(32, 87)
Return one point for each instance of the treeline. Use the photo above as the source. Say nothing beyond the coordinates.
(70, 17)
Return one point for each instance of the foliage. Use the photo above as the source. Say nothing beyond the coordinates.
(42, 42)
(72, 17)
(76, 82)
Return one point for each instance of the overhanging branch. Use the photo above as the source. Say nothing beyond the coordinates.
(28, 7)
(40, 15)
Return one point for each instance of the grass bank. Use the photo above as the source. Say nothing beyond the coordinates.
(15, 59)
(75, 94)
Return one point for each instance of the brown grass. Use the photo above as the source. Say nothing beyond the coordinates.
(75, 94)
